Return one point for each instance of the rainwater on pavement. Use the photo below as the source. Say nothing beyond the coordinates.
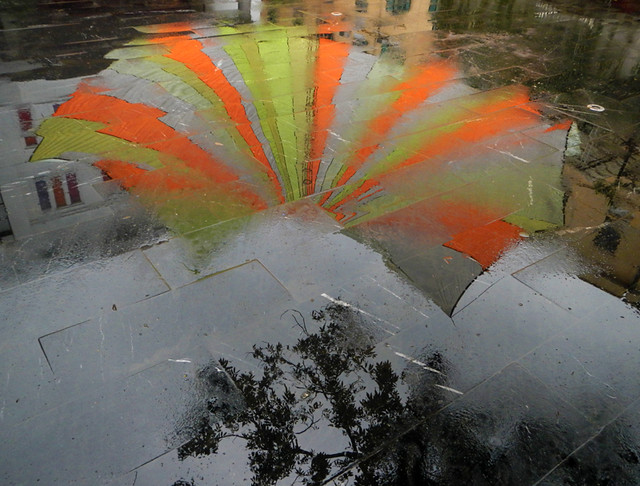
(357, 242)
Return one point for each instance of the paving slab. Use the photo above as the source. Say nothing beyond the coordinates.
(391, 300)
(454, 269)
(510, 429)
(557, 278)
(593, 363)
(306, 276)
(126, 340)
(517, 257)
(610, 457)
(52, 303)
(504, 323)
(210, 250)
(80, 293)
(106, 433)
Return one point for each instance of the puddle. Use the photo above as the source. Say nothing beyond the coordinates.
(203, 121)
(459, 178)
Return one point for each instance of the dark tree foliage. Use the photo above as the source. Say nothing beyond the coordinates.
(330, 384)
(329, 378)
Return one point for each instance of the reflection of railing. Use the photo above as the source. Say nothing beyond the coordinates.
(26, 125)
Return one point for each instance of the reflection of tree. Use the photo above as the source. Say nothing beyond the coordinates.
(325, 407)
(318, 382)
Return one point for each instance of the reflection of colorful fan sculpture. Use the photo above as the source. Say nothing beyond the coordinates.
(214, 124)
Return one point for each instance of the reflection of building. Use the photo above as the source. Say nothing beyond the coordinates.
(603, 202)
(399, 26)
(619, 51)
(246, 10)
(51, 195)
(48, 195)
(123, 4)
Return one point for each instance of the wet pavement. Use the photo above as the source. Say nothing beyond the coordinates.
(369, 242)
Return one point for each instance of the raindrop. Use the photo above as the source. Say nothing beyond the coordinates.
(597, 108)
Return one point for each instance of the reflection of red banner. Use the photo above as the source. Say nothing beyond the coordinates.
(244, 121)
(485, 243)
(329, 68)
(188, 51)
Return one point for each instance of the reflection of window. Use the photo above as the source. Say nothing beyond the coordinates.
(43, 195)
(398, 6)
(72, 186)
(58, 192)
(24, 115)
(362, 6)
(64, 190)
(26, 124)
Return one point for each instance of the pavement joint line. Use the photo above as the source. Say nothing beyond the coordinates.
(475, 298)
(45, 354)
(135, 469)
(234, 267)
(587, 441)
(357, 309)
(160, 276)
(565, 459)
(538, 292)
(215, 273)
(77, 396)
(56, 332)
(551, 392)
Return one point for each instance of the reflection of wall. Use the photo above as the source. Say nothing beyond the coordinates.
(401, 25)
(378, 25)
(51, 195)
(619, 48)
(603, 204)
(42, 196)
(485, 15)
